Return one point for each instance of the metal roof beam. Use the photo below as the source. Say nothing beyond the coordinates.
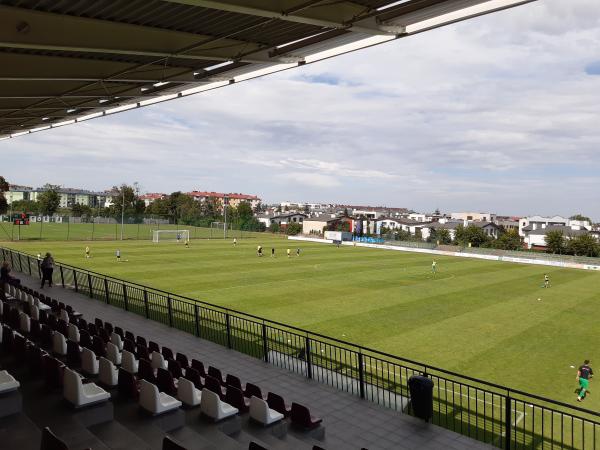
(327, 14)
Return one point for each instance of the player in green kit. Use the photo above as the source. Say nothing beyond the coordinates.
(584, 373)
(434, 267)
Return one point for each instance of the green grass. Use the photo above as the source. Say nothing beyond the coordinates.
(475, 317)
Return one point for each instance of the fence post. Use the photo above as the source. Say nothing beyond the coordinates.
(265, 343)
(308, 363)
(170, 310)
(125, 299)
(361, 374)
(75, 280)
(146, 303)
(29, 264)
(507, 421)
(62, 276)
(197, 319)
(90, 285)
(106, 291)
(228, 330)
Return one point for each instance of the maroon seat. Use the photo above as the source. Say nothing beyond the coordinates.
(167, 353)
(199, 367)
(34, 329)
(85, 340)
(53, 372)
(129, 335)
(253, 390)
(212, 384)
(73, 354)
(98, 346)
(153, 347)
(62, 327)
(182, 360)
(277, 403)
(119, 331)
(165, 383)
(108, 327)
(98, 322)
(145, 371)
(8, 338)
(92, 329)
(51, 442)
(46, 337)
(235, 397)
(216, 373)
(142, 353)
(175, 368)
(129, 345)
(194, 376)
(141, 341)
(51, 322)
(104, 335)
(234, 381)
(127, 385)
(301, 417)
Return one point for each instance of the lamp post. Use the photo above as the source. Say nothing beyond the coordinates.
(225, 205)
(122, 210)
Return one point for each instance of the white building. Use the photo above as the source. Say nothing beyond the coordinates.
(533, 223)
(68, 196)
(537, 237)
(473, 216)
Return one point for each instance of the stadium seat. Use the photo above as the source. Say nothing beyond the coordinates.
(53, 371)
(63, 315)
(253, 390)
(98, 322)
(19, 349)
(158, 361)
(113, 353)
(108, 373)
(34, 312)
(213, 385)
(51, 442)
(129, 335)
(216, 373)
(167, 353)
(79, 394)
(277, 403)
(46, 337)
(212, 406)
(59, 344)
(128, 362)
(199, 367)
(261, 413)
(174, 368)
(7, 382)
(145, 371)
(165, 382)
(188, 393)
(301, 417)
(104, 335)
(153, 347)
(182, 360)
(140, 341)
(62, 327)
(142, 353)
(89, 362)
(232, 380)
(194, 376)
(129, 345)
(119, 331)
(73, 332)
(170, 444)
(34, 330)
(24, 323)
(116, 340)
(73, 354)
(127, 384)
(235, 397)
(108, 327)
(156, 402)
(98, 346)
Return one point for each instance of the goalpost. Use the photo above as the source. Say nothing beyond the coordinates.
(217, 230)
(171, 235)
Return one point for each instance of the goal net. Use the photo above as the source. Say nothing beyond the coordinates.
(217, 229)
(170, 235)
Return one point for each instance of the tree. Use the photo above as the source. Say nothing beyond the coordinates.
(81, 210)
(581, 217)
(583, 245)
(26, 206)
(306, 209)
(441, 235)
(509, 241)
(49, 200)
(133, 206)
(274, 227)
(471, 235)
(4, 187)
(555, 241)
(294, 228)
(159, 207)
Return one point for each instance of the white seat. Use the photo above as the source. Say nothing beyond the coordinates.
(113, 353)
(24, 324)
(128, 362)
(116, 339)
(212, 406)
(59, 344)
(42, 306)
(260, 412)
(188, 393)
(73, 333)
(23, 296)
(63, 315)
(108, 373)
(89, 362)
(35, 312)
(7, 382)
(80, 394)
(156, 402)
(30, 300)
(158, 361)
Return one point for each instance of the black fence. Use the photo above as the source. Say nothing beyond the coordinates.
(491, 413)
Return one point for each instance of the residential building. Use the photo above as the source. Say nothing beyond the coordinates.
(489, 228)
(536, 238)
(427, 229)
(533, 223)
(233, 199)
(151, 197)
(473, 216)
(68, 196)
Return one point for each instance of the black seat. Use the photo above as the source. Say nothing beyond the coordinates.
(277, 403)
(145, 371)
(212, 384)
(51, 442)
(85, 340)
(175, 368)
(165, 383)
(254, 446)
(199, 367)
(302, 418)
(129, 345)
(253, 390)
(182, 360)
(194, 376)
(167, 353)
(140, 341)
(216, 373)
(73, 354)
(235, 397)
(153, 347)
(127, 385)
(98, 346)
(234, 381)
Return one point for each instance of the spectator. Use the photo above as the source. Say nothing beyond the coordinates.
(5, 276)
(47, 267)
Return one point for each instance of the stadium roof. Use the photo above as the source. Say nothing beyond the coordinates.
(63, 61)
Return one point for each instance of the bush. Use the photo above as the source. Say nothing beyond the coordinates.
(294, 228)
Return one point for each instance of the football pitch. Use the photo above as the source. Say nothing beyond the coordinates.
(490, 320)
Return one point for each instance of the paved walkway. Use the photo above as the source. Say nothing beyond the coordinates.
(350, 423)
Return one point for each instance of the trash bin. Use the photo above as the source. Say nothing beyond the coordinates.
(421, 396)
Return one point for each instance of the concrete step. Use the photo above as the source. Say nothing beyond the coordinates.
(117, 437)
(19, 432)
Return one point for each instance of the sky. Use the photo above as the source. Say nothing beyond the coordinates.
(497, 114)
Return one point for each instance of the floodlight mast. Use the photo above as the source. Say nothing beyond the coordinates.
(122, 210)
(225, 205)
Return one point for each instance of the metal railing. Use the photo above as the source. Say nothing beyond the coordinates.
(491, 413)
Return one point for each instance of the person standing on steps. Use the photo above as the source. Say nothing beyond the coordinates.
(47, 267)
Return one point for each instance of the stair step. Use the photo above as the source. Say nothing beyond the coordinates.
(118, 437)
(19, 432)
